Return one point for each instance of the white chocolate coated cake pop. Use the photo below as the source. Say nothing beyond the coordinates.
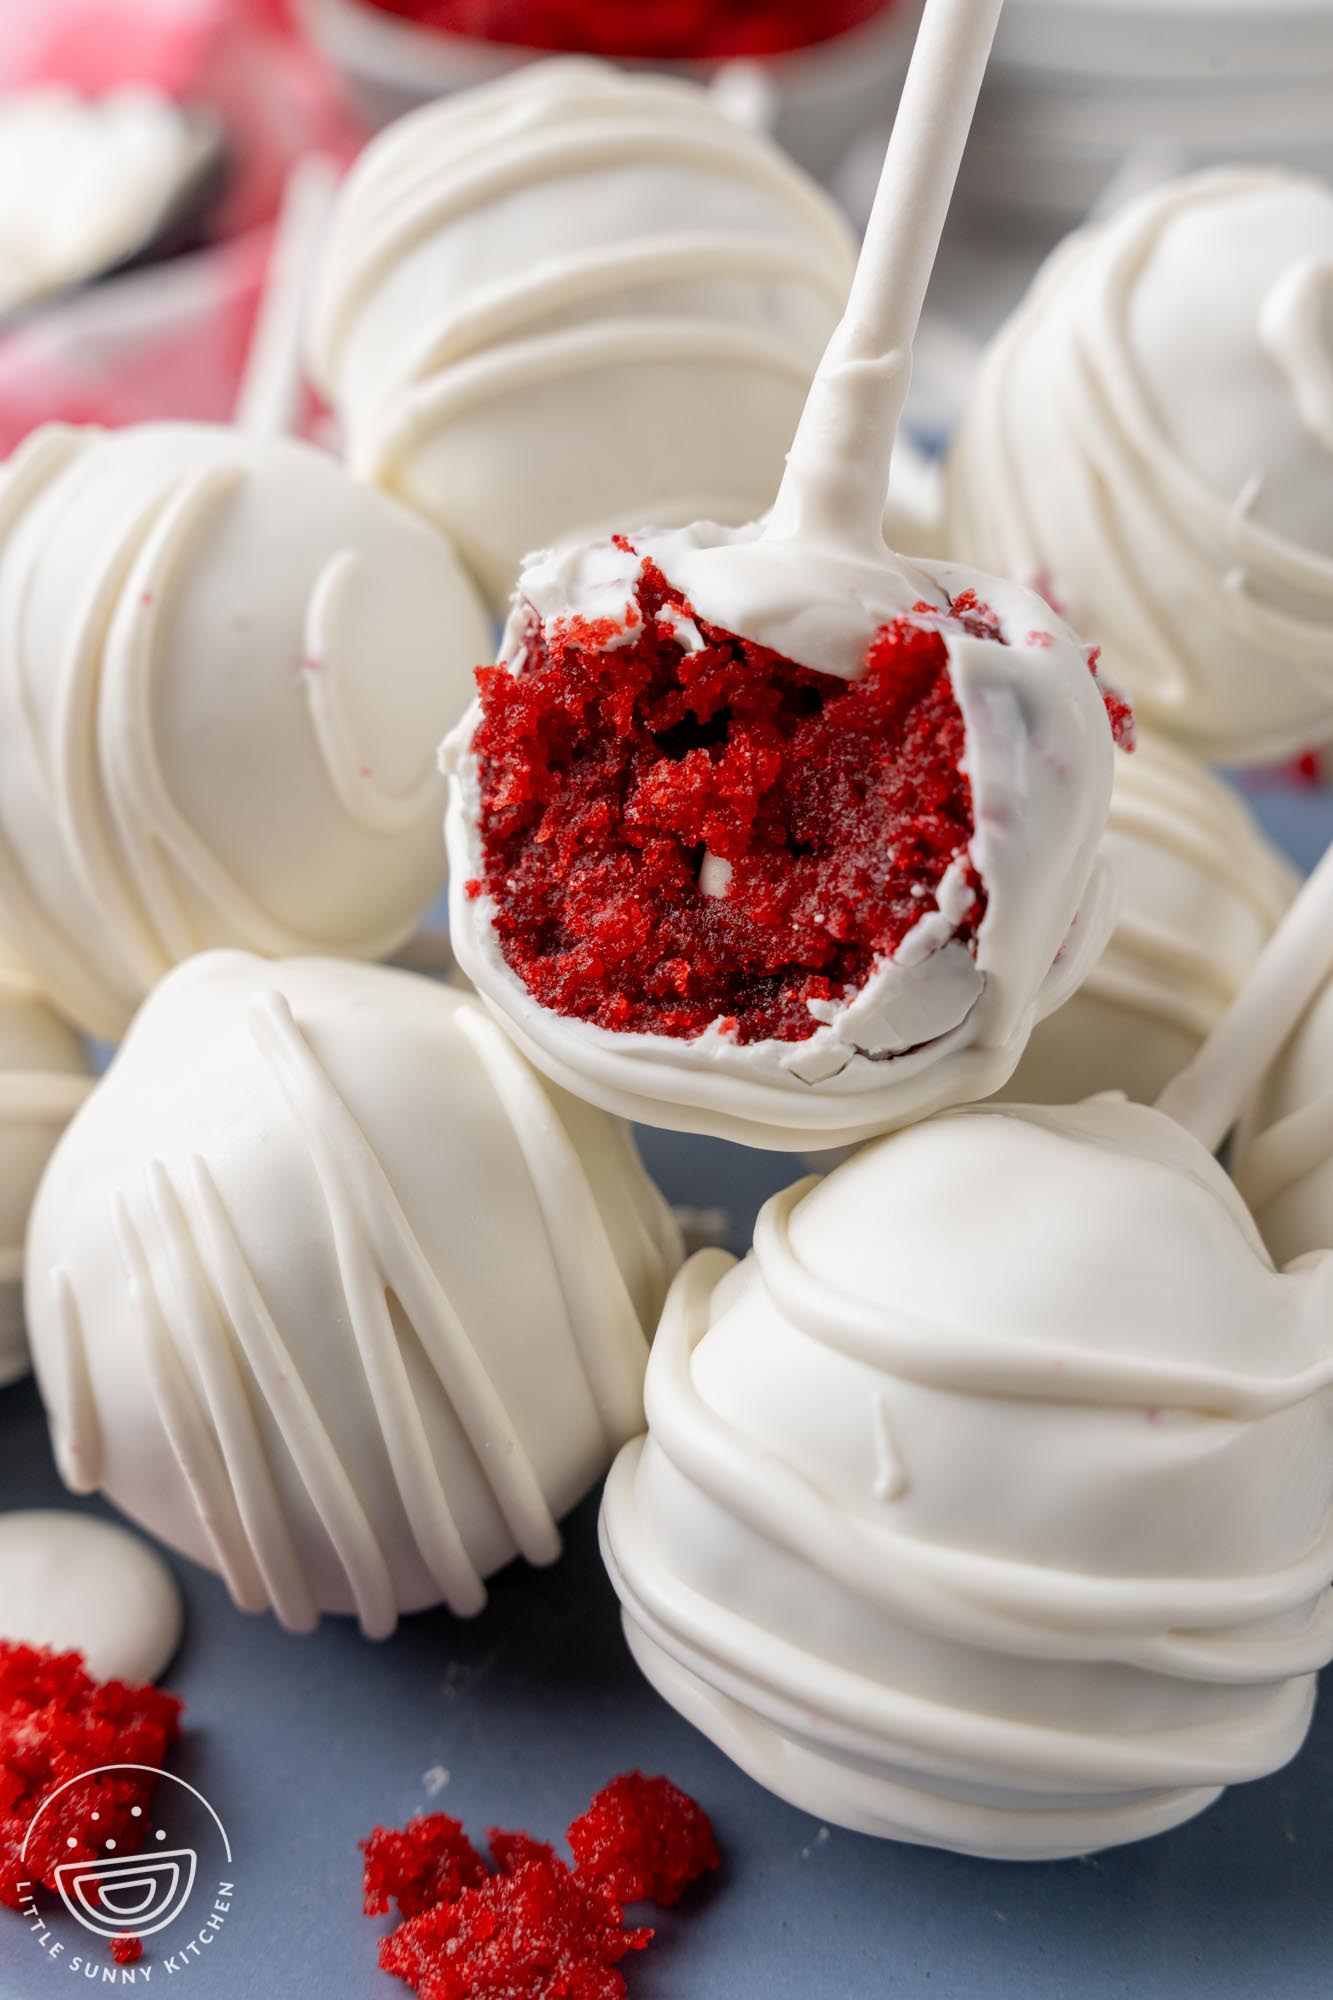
(1200, 889)
(570, 301)
(1151, 435)
(43, 1081)
(330, 1292)
(987, 1503)
(224, 666)
(767, 832)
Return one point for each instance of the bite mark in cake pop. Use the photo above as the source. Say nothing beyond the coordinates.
(693, 830)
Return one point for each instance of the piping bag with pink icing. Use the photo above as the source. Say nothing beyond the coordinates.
(768, 832)
(988, 1503)
(220, 659)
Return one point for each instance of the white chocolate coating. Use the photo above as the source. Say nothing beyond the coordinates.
(43, 1081)
(1282, 1154)
(987, 1504)
(1152, 432)
(935, 1025)
(329, 1292)
(73, 1582)
(223, 667)
(1200, 891)
(572, 301)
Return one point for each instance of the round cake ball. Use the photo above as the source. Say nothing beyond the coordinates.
(226, 666)
(986, 1504)
(1282, 1155)
(330, 1292)
(1151, 436)
(1200, 890)
(571, 300)
(714, 889)
(43, 1080)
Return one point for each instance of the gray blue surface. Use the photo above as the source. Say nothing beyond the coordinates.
(304, 1744)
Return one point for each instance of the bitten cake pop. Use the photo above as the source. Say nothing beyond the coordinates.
(1200, 890)
(330, 1292)
(989, 1502)
(570, 300)
(770, 833)
(1151, 435)
(225, 664)
(43, 1080)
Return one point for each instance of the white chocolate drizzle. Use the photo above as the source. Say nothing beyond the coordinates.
(216, 1357)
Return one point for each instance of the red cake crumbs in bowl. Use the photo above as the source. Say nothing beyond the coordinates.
(57, 1723)
(534, 1928)
(678, 30)
(677, 834)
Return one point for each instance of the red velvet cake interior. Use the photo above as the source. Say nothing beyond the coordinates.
(615, 773)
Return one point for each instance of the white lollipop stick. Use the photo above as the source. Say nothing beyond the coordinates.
(838, 469)
(269, 399)
(1207, 1095)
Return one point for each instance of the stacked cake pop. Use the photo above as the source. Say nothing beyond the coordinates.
(570, 300)
(949, 1534)
(225, 664)
(277, 1303)
(1151, 435)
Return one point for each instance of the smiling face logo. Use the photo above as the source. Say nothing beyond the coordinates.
(138, 1893)
(145, 1882)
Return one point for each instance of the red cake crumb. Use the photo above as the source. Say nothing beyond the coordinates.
(126, 1950)
(648, 29)
(533, 1931)
(1118, 711)
(644, 1839)
(429, 1861)
(57, 1723)
(607, 775)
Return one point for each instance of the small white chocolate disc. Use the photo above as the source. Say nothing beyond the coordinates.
(70, 1581)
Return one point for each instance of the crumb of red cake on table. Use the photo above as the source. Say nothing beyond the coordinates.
(645, 1839)
(535, 1928)
(57, 1723)
(126, 1950)
(429, 1861)
(673, 839)
(532, 1931)
(651, 29)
